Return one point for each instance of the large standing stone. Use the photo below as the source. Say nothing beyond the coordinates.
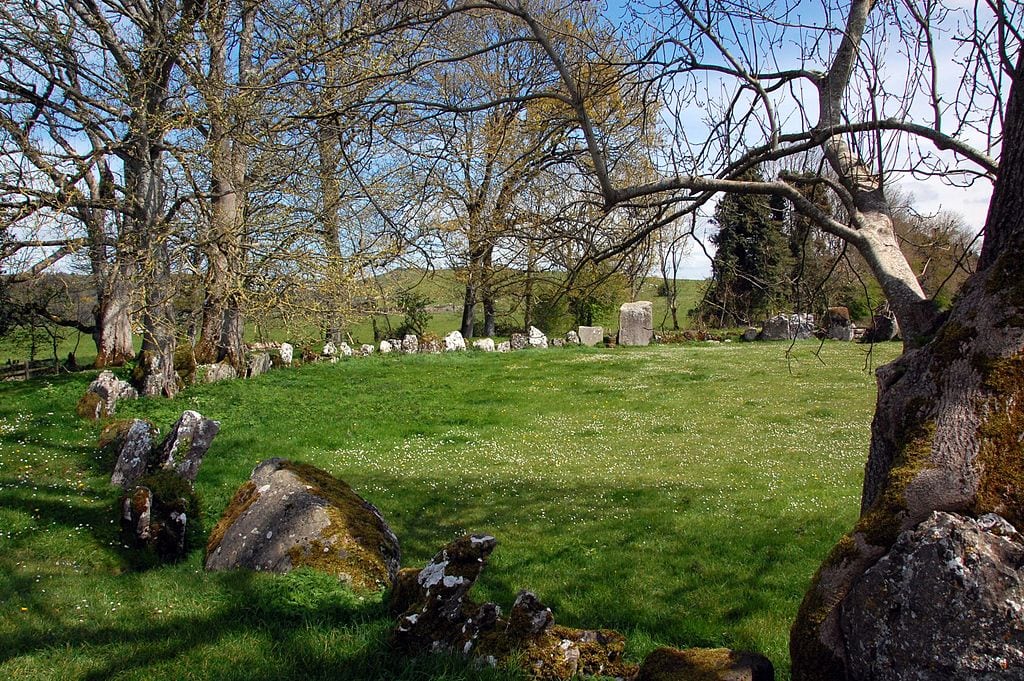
(519, 341)
(636, 323)
(386, 347)
(287, 353)
(410, 344)
(484, 344)
(840, 326)
(133, 441)
(454, 342)
(289, 515)
(945, 604)
(259, 363)
(183, 449)
(536, 338)
(590, 335)
(798, 326)
(101, 397)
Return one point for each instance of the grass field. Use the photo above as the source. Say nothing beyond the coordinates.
(683, 495)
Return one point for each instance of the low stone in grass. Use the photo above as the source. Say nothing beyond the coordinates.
(213, 373)
(344, 350)
(437, 615)
(101, 397)
(572, 338)
(287, 353)
(430, 344)
(536, 338)
(410, 344)
(258, 364)
(183, 449)
(703, 664)
(365, 350)
(330, 349)
(133, 442)
(386, 347)
(484, 344)
(289, 515)
(505, 346)
(454, 342)
(883, 328)
(590, 335)
(519, 341)
(156, 514)
(798, 326)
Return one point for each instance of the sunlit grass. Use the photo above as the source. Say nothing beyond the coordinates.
(683, 495)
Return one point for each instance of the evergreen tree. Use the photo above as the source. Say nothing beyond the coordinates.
(750, 271)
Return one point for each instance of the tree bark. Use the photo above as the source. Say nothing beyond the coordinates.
(949, 419)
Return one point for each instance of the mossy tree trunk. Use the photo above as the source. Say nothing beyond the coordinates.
(949, 422)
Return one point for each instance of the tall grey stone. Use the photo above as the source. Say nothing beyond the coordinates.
(134, 444)
(840, 326)
(454, 342)
(536, 338)
(590, 335)
(183, 449)
(636, 323)
(258, 363)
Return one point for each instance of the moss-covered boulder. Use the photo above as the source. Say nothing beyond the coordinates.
(291, 514)
(705, 664)
(101, 397)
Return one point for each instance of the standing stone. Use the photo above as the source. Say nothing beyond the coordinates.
(749, 335)
(636, 323)
(504, 346)
(287, 353)
(537, 339)
(102, 395)
(410, 344)
(330, 349)
(573, 338)
(385, 347)
(945, 604)
(365, 350)
(289, 515)
(883, 328)
(344, 350)
(485, 344)
(259, 363)
(183, 449)
(840, 326)
(590, 335)
(788, 327)
(133, 444)
(454, 342)
(519, 341)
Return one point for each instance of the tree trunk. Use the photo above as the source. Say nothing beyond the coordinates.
(469, 308)
(948, 424)
(113, 335)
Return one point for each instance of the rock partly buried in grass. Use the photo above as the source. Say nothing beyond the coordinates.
(702, 664)
(156, 514)
(290, 514)
(438, 616)
(214, 373)
(132, 441)
(101, 397)
(183, 449)
(946, 602)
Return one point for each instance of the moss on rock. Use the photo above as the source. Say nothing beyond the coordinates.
(704, 664)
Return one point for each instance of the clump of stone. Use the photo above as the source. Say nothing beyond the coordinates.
(214, 373)
(159, 499)
(101, 397)
(289, 515)
(257, 364)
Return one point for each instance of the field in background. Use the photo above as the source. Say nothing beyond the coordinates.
(683, 495)
(441, 287)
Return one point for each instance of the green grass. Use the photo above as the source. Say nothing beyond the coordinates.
(683, 495)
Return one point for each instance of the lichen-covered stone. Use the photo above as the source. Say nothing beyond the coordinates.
(796, 326)
(590, 335)
(505, 346)
(101, 397)
(133, 441)
(705, 664)
(484, 344)
(213, 373)
(430, 344)
(183, 449)
(945, 603)
(329, 350)
(287, 353)
(365, 350)
(437, 615)
(386, 347)
(536, 338)
(454, 342)
(258, 363)
(291, 514)
(518, 341)
(156, 514)
(572, 338)
(636, 323)
(410, 344)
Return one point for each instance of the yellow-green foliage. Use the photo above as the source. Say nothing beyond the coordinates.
(354, 538)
